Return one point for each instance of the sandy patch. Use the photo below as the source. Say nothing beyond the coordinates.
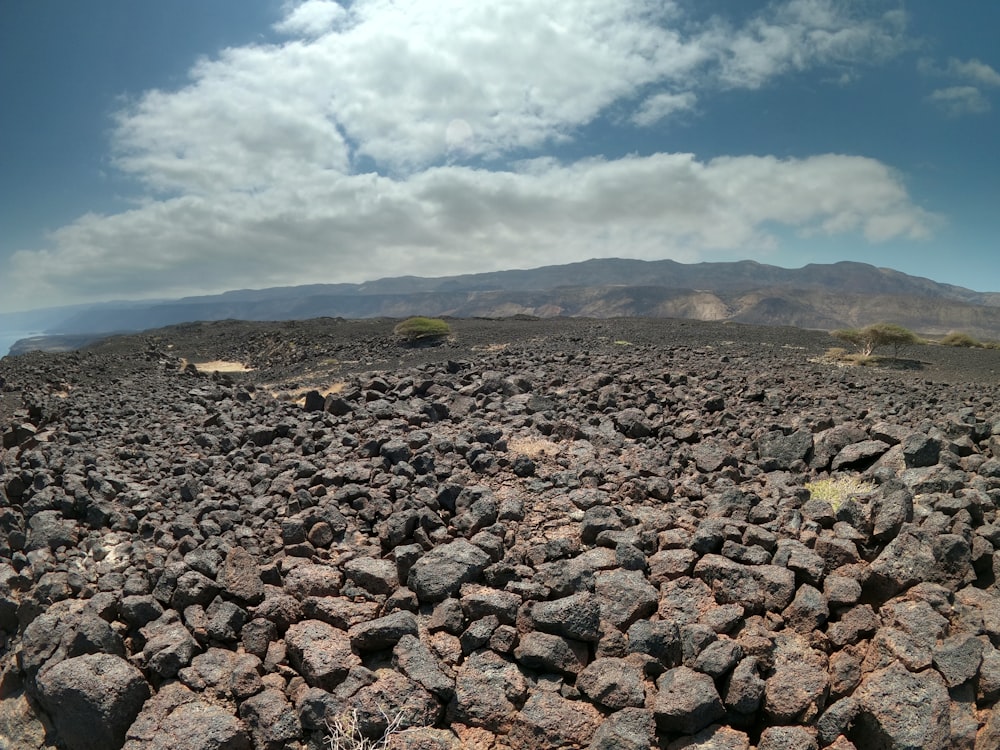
(298, 395)
(221, 365)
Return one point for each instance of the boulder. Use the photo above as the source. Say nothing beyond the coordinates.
(628, 729)
(551, 653)
(169, 645)
(577, 616)
(686, 701)
(416, 661)
(779, 451)
(320, 652)
(239, 577)
(382, 632)
(489, 690)
(442, 571)
(796, 690)
(902, 710)
(624, 596)
(271, 719)
(176, 718)
(92, 699)
(550, 721)
(612, 683)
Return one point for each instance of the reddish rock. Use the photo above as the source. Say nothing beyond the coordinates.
(321, 653)
(550, 721)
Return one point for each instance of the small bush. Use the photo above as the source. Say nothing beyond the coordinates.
(836, 352)
(422, 329)
(861, 360)
(956, 338)
(838, 355)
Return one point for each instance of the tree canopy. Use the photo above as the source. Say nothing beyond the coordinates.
(870, 338)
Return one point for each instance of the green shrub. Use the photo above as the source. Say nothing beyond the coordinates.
(868, 339)
(422, 329)
(956, 338)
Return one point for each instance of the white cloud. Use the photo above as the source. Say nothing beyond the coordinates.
(802, 34)
(311, 18)
(960, 100)
(394, 75)
(456, 219)
(243, 123)
(661, 106)
(964, 98)
(253, 165)
(974, 70)
(385, 79)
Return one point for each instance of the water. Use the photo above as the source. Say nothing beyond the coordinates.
(7, 339)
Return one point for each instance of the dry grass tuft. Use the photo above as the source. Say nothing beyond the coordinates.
(533, 447)
(837, 490)
(840, 357)
(345, 733)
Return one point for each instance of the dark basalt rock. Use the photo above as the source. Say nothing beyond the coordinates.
(92, 699)
(528, 537)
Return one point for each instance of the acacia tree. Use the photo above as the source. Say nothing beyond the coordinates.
(868, 339)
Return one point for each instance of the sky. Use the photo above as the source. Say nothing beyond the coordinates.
(157, 150)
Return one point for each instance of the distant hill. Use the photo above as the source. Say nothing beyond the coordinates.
(821, 296)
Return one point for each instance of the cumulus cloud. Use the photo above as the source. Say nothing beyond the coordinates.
(455, 218)
(967, 96)
(311, 18)
(804, 33)
(660, 106)
(960, 100)
(974, 70)
(259, 170)
(386, 79)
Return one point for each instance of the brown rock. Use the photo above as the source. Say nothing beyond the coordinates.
(392, 695)
(551, 653)
(313, 580)
(796, 691)
(321, 653)
(686, 701)
(240, 578)
(488, 692)
(550, 721)
(713, 738)
(612, 683)
(628, 729)
(271, 719)
(900, 709)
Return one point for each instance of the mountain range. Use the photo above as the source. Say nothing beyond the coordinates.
(819, 296)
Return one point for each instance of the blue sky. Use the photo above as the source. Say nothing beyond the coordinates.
(153, 150)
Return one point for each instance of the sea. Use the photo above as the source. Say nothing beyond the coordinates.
(7, 339)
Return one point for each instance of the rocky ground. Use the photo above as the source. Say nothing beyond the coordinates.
(541, 534)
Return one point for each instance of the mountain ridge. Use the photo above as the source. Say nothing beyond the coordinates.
(820, 296)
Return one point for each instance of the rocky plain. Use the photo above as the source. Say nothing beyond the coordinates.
(607, 534)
